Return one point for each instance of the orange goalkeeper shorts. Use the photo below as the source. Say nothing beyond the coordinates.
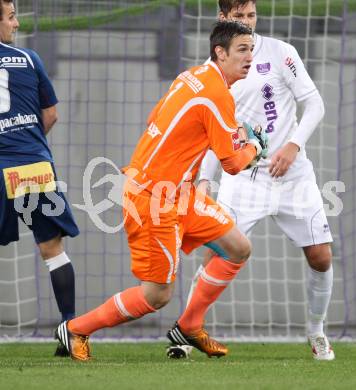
(155, 237)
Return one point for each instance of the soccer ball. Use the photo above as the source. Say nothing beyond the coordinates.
(178, 351)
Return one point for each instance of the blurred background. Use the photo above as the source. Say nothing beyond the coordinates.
(110, 62)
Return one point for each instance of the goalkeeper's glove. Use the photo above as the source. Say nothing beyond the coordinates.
(258, 138)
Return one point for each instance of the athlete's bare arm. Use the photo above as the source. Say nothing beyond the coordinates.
(49, 118)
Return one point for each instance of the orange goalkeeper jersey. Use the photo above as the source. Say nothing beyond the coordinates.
(197, 113)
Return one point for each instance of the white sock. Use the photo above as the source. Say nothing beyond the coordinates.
(194, 282)
(319, 293)
(57, 261)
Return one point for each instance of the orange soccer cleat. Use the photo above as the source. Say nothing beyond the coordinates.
(77, 345)
(200, 340)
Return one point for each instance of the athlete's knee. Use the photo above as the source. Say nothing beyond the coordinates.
(234, 246)
(239, 249)
(319, 256)
(242, 250)
(160, 299)
(157, 295)
(51, 248)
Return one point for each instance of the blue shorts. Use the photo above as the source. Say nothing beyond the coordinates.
(46, 212)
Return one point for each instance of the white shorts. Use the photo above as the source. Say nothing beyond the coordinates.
(296, 206)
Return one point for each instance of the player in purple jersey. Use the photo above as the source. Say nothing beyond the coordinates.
(28, 186)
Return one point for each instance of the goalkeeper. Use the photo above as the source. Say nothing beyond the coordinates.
(27, 175)
(163, 211)
(269, 95)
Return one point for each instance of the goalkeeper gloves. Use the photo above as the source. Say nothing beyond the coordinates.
(258, 138)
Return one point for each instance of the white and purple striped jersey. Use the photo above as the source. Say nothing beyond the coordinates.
(276, 81)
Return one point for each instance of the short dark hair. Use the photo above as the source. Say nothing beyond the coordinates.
(227, 5)
(1, 3)
(223, 34)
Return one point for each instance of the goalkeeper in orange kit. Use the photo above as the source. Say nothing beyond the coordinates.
(164, 213)
(277, 84)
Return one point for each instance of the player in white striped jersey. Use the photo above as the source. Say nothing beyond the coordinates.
(285, 182)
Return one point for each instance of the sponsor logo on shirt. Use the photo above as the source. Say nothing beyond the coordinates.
(290, 63)
(13, 62)
(326, 228)
(267, 91)
(235, 141)
(192, 82)
(153, 130)
(34, 178)
(269, 107)
(18, 120)
(263, 68)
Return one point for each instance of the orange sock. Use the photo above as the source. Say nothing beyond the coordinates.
(213, 280)
(122, 307)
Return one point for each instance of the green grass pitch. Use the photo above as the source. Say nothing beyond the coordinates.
(145, 366)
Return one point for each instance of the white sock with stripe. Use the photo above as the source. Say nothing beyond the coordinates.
(319, 293)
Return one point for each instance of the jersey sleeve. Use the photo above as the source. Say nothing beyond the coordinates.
(221, 127)
(295, 74)
(153, 114)
(156, 109)
(47, 94)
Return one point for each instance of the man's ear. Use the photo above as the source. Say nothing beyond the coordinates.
(220, 53)
(221, 16)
